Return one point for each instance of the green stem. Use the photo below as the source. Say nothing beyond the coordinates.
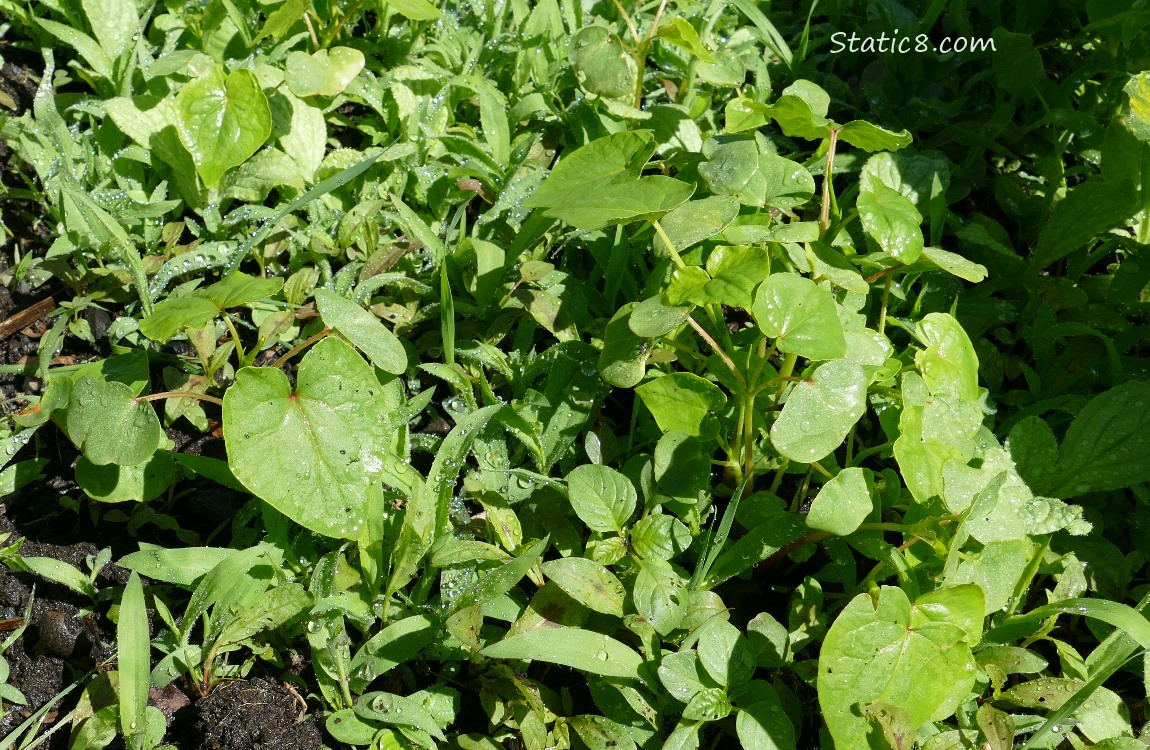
(236, 340)
(885, 301)
(279, 363)
(670, 245)
(825, 213)
(182, 394)
(785, 374)
(718, 350)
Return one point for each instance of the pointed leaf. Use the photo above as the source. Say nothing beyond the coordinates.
(573, 647)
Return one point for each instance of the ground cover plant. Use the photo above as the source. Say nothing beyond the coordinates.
(568, 374)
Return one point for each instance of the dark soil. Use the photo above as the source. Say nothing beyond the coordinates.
(253, 715)
(68, 637)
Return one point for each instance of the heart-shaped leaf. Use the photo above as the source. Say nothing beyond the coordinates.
(313, 451)
(880, 651)
(327, 72)
(222, 120)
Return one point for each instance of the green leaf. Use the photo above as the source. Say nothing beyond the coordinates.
(819, 412)
(364, 330)
(660, 594)
(498, 581)
(698, 220)
(600, 733)
(135, 664)
(954, 264)
(110, 425)
(398, 710)
(764, 725)
(735, 271)
(284, 604)
(710, 704)
(1138, 119)
(801, 315)
(302, 134)
(222, 120)
(415, 10)
(114, 22)
(1090, 209)
(88, 47)
(396, 644)
(949, 364)
(1107, 446)
(111, 483)
(725, 653)
(682, 34)
(879, 651)
(311, 452)
(660, 536)
(588, 583)
(603, 498)
(601, 65)
(651, 318)
(62, 573)
(868, 137)
(326, 72)
(572, 647)
(684, 402)
(280, 21)
(600, 184)
(181, 566)
(682, 466)
(892, 222)
(842, 504)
